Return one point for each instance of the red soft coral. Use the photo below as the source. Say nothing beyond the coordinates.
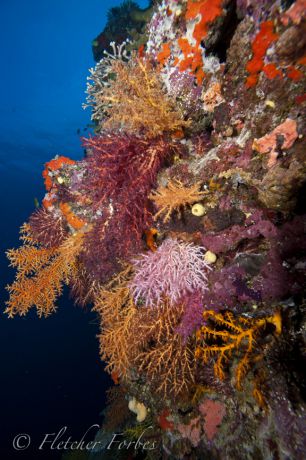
(121, 171)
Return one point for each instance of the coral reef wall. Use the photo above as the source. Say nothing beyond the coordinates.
(184, 227)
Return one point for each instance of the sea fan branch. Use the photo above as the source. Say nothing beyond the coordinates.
(41, 275)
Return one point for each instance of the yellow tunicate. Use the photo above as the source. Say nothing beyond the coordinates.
(138, 408)
(198, 210)
(210, 257)
(270, 104)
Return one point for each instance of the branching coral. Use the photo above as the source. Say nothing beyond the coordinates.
(100, 78)
(116, 236)
(120, 164)
(41, 273)
(144, 341)
(163, 357)
(83, 289)
(47, 228)
(175, 197)
(135, 101)
(116, 307)
(173, 270)
(193, 315)
(229, 335)
(191, 306)
(121, 172)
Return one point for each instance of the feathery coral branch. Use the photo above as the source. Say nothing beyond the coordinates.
(231, 335)
(173, 270)
(135, 101)
(163, 356)
(47, 227)
(41, 274)
(117, 311)
(174, 197)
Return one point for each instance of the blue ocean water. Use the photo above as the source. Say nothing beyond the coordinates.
(51, 374)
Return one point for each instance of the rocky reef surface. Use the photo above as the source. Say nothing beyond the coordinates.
(184, 226)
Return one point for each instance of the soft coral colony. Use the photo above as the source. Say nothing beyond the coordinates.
(184, 227)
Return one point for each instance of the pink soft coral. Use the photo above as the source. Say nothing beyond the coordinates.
(173, 270)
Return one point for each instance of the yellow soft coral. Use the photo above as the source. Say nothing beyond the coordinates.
(231, 335)
(41, 273)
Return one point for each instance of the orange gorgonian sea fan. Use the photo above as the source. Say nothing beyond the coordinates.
(161, 354)
(143, 341)
(116, 308)
(42, 272)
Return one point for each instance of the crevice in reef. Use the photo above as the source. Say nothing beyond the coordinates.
(301, 203)
(221, 45)
(285, 4)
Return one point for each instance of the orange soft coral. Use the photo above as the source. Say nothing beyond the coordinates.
(58, 162)
(71, 218)
(210, 10)
(150, 238)
(294, 74)
(54, 165)
(207, 11)
(192, 59)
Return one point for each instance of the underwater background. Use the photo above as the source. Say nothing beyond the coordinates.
(51, 374)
